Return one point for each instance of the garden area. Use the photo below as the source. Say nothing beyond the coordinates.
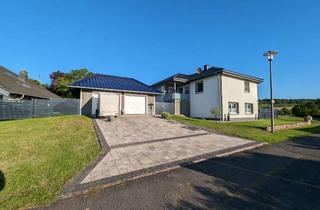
(39, 156)
(255, 130)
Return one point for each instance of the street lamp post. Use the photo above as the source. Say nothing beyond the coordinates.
(270, 55)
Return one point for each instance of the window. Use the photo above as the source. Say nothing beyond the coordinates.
(186, 89)
(159, 89)
(233, 108)
(170, 90)
(246, 87)
(199, 87)
(248, 108)
(180, 90)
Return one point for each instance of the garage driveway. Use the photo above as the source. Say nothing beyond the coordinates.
(144, 144)
(131, 130)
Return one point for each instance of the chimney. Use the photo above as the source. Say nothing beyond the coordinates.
(205, 67)
(23, 75)
(198, 70)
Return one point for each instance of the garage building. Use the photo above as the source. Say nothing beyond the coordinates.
(114, 95)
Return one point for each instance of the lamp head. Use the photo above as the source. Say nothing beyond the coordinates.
(270, 54)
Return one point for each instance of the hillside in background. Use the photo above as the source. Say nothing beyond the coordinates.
(284, 103)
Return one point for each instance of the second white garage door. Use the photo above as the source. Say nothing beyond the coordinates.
(135, 105)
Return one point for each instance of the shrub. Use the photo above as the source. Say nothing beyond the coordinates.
(165, 115)
(215, 111)
(284, 111)
(304, 109)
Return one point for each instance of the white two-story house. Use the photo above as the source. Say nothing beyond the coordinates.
(232, 96)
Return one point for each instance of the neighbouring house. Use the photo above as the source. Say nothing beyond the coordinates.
(113, 95)
(232, 95)
(17, 87)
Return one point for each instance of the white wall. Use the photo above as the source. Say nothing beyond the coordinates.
(233, 91)
(202, 103)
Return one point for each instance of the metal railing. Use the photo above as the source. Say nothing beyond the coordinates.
(266, 113)
(173, 96)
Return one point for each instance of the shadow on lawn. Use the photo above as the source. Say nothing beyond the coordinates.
(315, 129)
(270, 177)
(2, 181)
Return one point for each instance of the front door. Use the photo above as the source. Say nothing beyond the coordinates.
(95, 102)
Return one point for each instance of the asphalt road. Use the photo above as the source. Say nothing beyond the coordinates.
(279, 176)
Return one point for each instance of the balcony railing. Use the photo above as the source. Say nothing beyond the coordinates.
(173, 96)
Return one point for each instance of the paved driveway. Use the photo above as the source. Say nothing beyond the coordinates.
(130, 130)
(149, 143)
(278, 176)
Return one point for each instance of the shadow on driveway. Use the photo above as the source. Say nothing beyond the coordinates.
(284, 176)
(278, 176)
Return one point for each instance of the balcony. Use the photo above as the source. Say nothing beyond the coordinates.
(173, 96)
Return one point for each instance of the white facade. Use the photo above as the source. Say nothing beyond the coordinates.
(233, 90)
(234, 96)
(230, 90)
(202, 103)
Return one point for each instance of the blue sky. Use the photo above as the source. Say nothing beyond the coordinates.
(150, 40)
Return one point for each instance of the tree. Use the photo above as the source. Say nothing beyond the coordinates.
(215, 111)
(308, 108)
(34, 81)
(61, 81)
(54, 76)
(37, 82)
(284, 111)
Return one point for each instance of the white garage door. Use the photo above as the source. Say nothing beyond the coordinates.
(135, 105)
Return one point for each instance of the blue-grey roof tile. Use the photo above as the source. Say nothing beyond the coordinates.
(102, 81)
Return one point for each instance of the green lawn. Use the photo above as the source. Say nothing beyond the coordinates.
(38, 156)
(254, 129)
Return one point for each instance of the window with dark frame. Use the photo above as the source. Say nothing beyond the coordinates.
(186, 89)
(233, 108)
(248, 108)
(246, 87)
(199, 87)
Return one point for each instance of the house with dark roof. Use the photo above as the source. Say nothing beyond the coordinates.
(17, 87)
(107, 95)
(211, 92)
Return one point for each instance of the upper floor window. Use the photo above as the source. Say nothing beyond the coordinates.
(248, 108)
(159, 89)
(199, 87)
(170, 90)
(246, 87)
(186, 89)
(233, 108)
(180, 90)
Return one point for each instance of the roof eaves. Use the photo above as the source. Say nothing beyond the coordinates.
(173, 77)
(4, 91)
(242, 76)
(115, 90)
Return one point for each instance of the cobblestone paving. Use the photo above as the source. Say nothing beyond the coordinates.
(139, 142)
(126, 130)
